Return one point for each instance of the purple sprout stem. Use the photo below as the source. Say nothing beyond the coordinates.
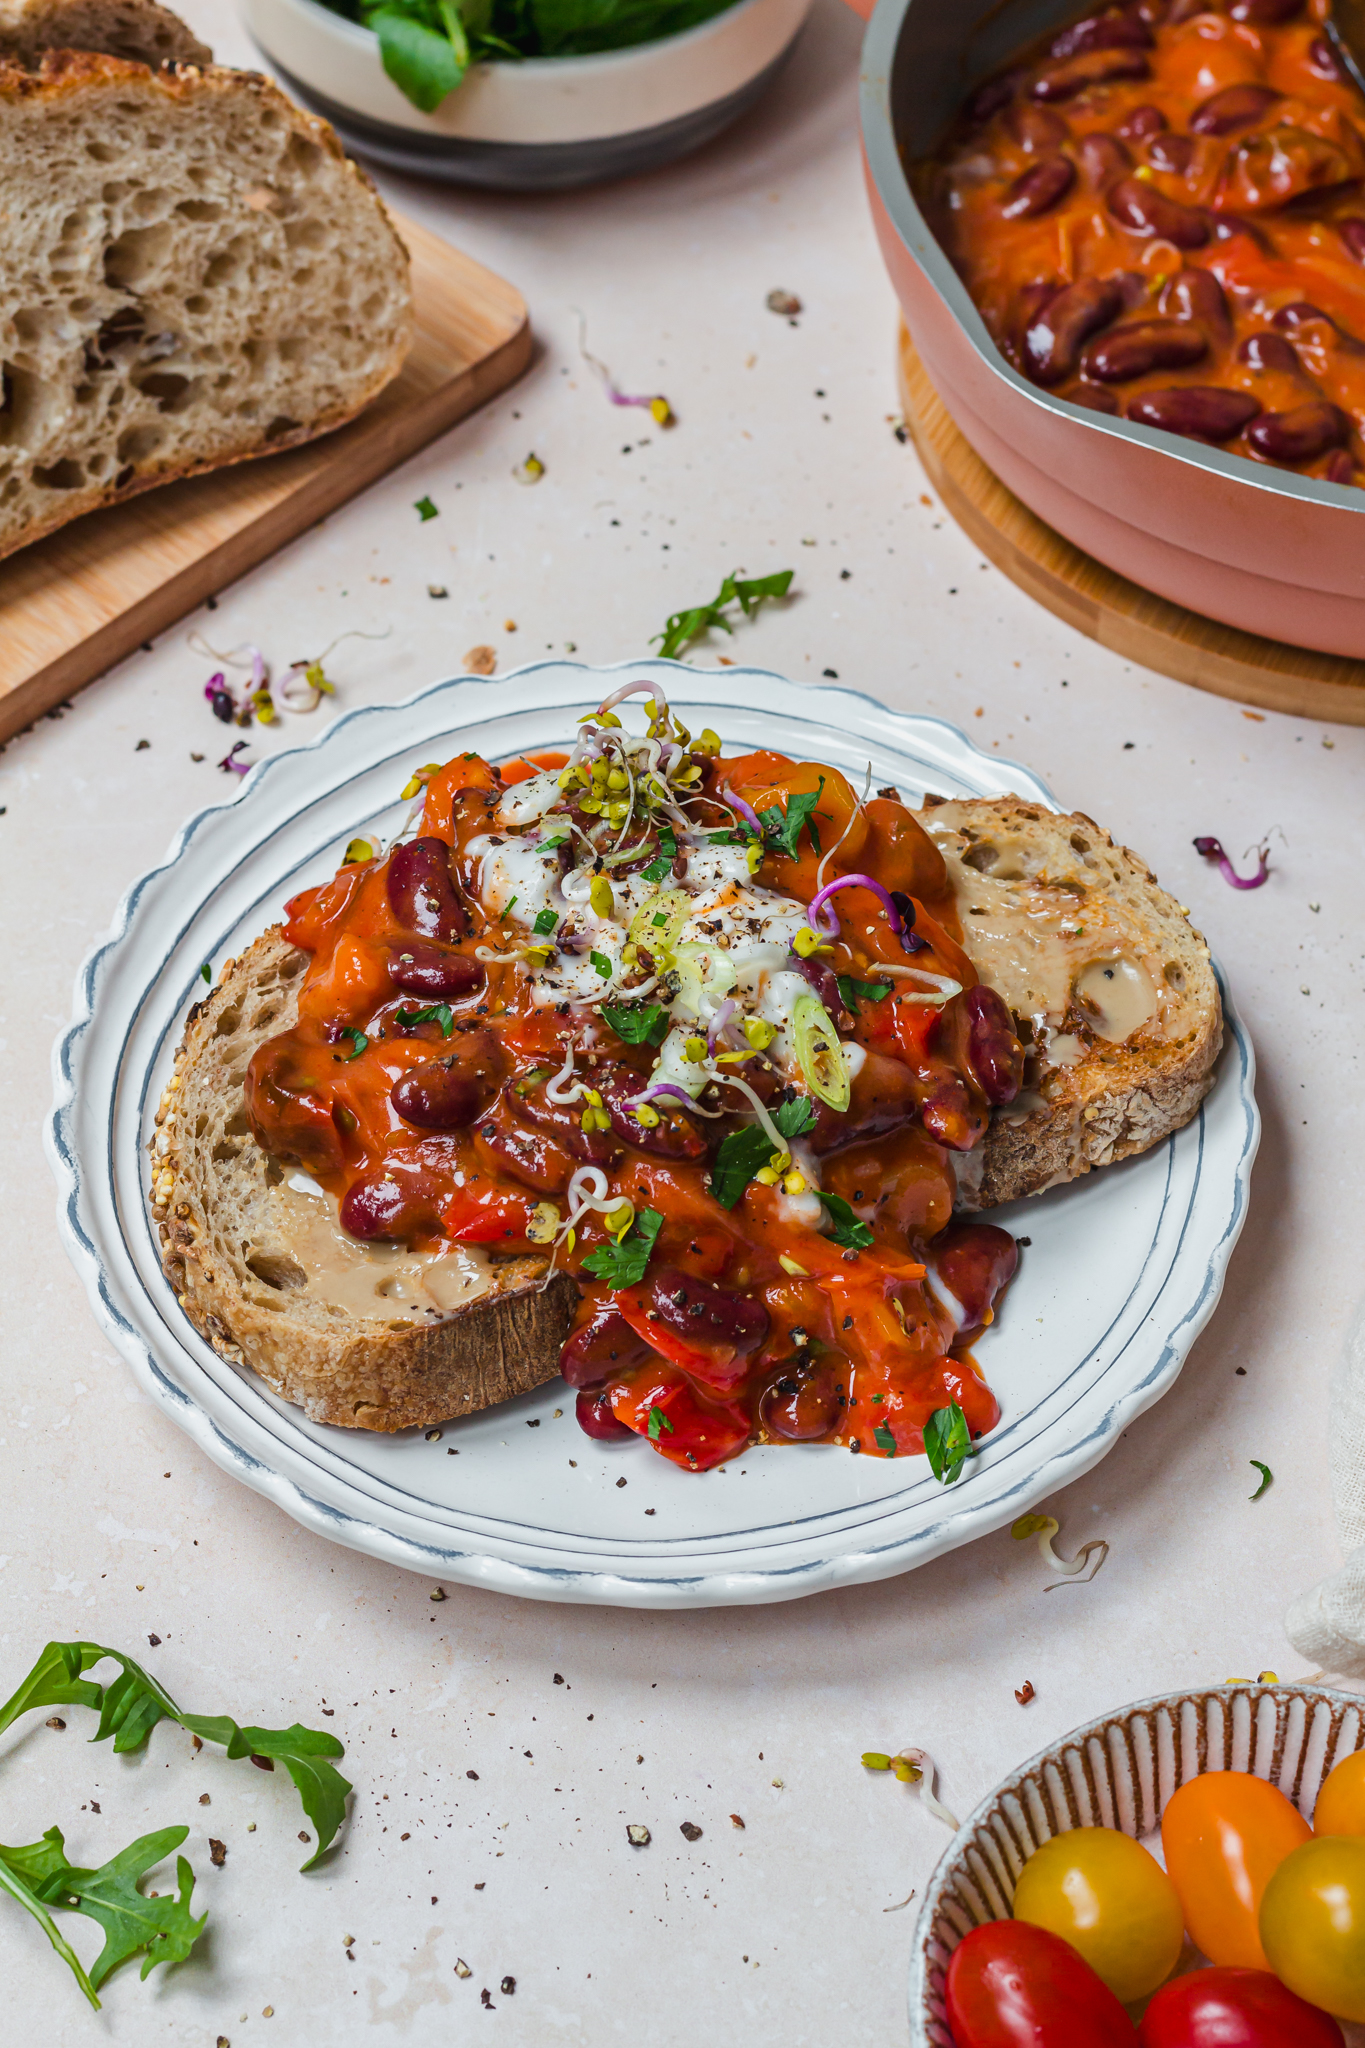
(719, 1023)
(743, 810)
(826, 922)
(1212, 849)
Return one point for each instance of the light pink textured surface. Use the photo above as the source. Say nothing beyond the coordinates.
(264, 1621)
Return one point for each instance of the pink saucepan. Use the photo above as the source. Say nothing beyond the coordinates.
(1260, 548)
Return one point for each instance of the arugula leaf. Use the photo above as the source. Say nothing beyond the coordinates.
(638, 1024)
(658, 1421)
(747, 592)
(854, 992)
(846, 1228)
(434, 1013)
(39, 1875)
(131, 1705)
(782, 829)
(623, 1264)
(948, 1443)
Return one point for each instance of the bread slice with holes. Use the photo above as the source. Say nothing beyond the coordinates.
(192, 272)
(367, 1336)
(1109, 982)
(140, 30)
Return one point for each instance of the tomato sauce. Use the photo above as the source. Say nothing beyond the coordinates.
(1160, 214)
(415, 1087)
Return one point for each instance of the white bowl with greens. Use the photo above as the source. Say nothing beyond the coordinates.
(526, 94)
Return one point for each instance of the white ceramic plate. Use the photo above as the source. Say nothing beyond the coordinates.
(1123, 1271)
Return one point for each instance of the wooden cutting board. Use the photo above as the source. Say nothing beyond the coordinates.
(82, 599)
(1097, 601)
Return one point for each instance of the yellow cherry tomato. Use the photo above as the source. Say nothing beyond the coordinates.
(1224, 1834)
(1341, 1802)
(1110, 1898)
(1313, 1924)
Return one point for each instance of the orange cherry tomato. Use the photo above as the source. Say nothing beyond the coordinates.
(1224, 1835)
(766, 781)
(1110, 1898)
(1341, 1802)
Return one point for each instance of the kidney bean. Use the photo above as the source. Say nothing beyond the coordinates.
(1094, 397)
(421, 892)
(600, 1343)
(1185, 10)
(1236, 106)
(1105, 31)
(1194, 294)
(1352, 232)
(1142, 122)
(1147, 345)
(440, 976)
(804, 1402)
(437, 1097)
(711, 1317)
(995, 1054)
(1265, 13)
(1150, 12)
(531, 1157)
(595, 1417)
(1103, 158)
(947, 1115)
(1266, 351)
(1037, 129)
(675, 1136)
(883, 1098)
(1144, 211)
(1340, 468)
(395, 1201)
(1171, 153)
(1037, 189)
(1225, 227)
(1300, 434)
(989, 98)
(1093, 67)
(1302, 314)
(1323, 59)
(1206, 411)
(973, 1262)
(1053, 342)
(561, 1121)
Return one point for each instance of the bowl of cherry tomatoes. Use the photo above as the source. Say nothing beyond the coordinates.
(1186, 1873)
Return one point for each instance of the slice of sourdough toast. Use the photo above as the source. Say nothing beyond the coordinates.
(1110, 983)
(142, 31)
(192, 273)
(366, 1336)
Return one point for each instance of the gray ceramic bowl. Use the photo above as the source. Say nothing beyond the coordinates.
(547, 123)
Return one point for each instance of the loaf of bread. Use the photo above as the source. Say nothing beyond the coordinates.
(1109, 982)
(140, 30)
(260, 1266)
(192, 272)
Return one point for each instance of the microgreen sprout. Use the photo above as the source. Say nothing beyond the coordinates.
(231, 765)
(1267, 1478)
(1212, 849)
(914, 1767)
(654, 403)
(1045, 1527)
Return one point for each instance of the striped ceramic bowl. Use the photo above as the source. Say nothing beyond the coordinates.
(1119, 1772)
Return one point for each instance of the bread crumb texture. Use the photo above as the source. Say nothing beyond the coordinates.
(191, 272)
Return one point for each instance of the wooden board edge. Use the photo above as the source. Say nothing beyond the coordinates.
(1131, 622)
(330, 486)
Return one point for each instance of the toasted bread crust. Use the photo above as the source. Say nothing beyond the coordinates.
(1118, 1098)
(70, 81)
(207, 1173)
(140, 30)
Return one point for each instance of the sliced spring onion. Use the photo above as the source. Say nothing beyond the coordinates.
(659, 920)
(705, 973)
(819, 1053)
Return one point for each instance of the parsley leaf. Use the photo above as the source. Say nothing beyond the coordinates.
(434, 1013)
(639, 1024)
(782, 829)
(602, 964)
(424, 508)
(623, 1264)
(846, 1229)
(739, 1156)
(546, 920)
(658, 1421)
(948, 1443)
(747, 592)
(854, 992)
(39, 1875)
(796, 1117)
(130, 1706)
(884, 1440)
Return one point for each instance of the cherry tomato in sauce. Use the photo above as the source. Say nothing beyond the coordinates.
(1110, 1898)
(1313, 1923)
(1341, 1802)
(1223, 2008)
(1012, 1985)
(1224, 1835)
(770, 781)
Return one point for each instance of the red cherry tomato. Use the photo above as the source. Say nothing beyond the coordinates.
(1234, 2009)
(1012, 1985)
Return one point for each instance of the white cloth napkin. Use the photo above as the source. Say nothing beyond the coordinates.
(1327, 1623)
